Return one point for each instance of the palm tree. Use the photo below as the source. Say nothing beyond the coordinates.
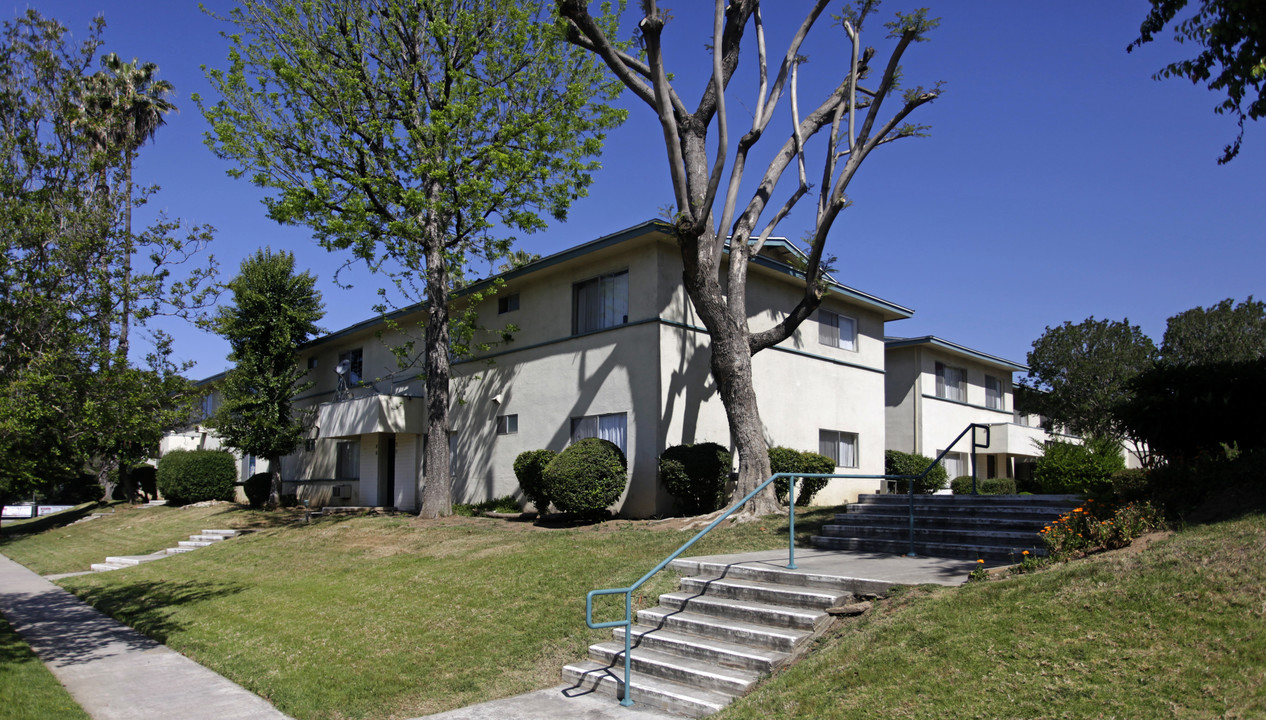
(121, 109)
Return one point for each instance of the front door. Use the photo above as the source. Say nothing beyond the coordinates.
(387, 471)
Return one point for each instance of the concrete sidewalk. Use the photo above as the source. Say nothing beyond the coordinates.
(111, 670)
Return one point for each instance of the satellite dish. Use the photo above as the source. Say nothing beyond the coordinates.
(343, 367)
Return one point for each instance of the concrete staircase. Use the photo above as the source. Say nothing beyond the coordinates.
(989, 527)
(726, 628)
(203, 539)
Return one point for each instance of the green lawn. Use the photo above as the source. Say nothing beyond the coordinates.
(382, 617)
(28, 691)
(1176, 631)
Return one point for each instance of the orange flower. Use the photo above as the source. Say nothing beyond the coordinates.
(1077, 509)
(980, 562)
(1026, 552)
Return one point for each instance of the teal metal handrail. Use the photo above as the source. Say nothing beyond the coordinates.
(627, 622)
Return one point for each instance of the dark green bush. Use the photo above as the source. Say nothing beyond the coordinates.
(529, 468)
(961, 485)
(697, 475)
(1068, 468)
(1130, 485)
(257, 488)
(587, 477)
(903, 463)
(787, 460)
(190, 476)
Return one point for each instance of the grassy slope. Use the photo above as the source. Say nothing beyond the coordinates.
(1176, 631)
(393, 617)
(27, 689)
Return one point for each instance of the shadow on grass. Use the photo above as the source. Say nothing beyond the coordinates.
(11, 529)
(144, 605)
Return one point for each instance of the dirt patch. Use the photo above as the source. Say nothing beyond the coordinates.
(1141, 543)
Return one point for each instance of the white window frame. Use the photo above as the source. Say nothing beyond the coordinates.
(610, 292)
(508, 304)
(832, 443)
(836, 330)
(993, 401)
(508, 424)
(943, 385)
(608, 426)
(347, 460)
(957, 458)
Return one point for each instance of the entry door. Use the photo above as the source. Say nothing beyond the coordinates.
(387, 471)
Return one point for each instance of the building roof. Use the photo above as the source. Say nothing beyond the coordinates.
(953, 348)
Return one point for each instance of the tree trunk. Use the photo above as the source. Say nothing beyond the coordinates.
(103, 479)
(437, 493)
(274, 492)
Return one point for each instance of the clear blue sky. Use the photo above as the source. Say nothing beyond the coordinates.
(1059, 181)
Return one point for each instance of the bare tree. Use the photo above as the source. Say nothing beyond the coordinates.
(710, 222)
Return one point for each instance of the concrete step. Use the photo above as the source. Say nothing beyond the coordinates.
(778, 575)
(207, 538)
(656, 692)
(764, 592)
(1043, 500)
(132, 560)
(1006, 523)
(195, 543)
(1031, 513)
(725, 654)
(178, 550)
(785, 640)
(966, 551)
(223, 533)
(778, 616)
(975, 536)
(107, 567)
(676, 668)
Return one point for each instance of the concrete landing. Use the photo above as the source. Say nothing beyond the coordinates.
(563, 701)
(111, 670)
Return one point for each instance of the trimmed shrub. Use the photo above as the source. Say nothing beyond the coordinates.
(1067, 468)
(961, 485)
(903, 463)
(696, 475)
(529, 468)
(1130, 484)
(587, 477)
(257, 488)
(190, 476)
(787, 460)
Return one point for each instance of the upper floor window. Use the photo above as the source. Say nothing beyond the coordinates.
(209, 404)
(355, 365)
(839, 446)
(837, 330)
(993, 393)
(600, 302)
(951, 382)
(613, 427)
(506, 304)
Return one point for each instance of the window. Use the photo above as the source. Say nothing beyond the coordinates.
(347, 465)
(506, 304)
(208, 405)
(355, 365)
(954, 464)
(312, 363)
(601, 302)
(837, 330)
(951, 382)
(839, 446)
(993, 393)
(507, 424)
(991, 466)
(613, 427)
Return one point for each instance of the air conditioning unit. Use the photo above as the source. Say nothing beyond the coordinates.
(342, 491)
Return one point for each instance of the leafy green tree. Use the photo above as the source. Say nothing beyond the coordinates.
(1232, 59)
(70, 400)
(710, 221)
(1079, 374)
(1221, 333)
(415, 133)
(274, 311)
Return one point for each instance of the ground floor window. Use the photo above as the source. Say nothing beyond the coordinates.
(839, 446)
(347, 465)
(954, 463)
(613, 427)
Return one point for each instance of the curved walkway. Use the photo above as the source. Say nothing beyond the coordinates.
(111, 670)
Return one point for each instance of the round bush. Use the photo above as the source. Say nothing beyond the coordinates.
(258, 487)
(1069, 468)
(787, 460)
(587, 477)
(697, 475)
(529, 468)
(190, 476)
(903, 463)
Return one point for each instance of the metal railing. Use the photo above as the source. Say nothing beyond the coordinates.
(627, 623)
